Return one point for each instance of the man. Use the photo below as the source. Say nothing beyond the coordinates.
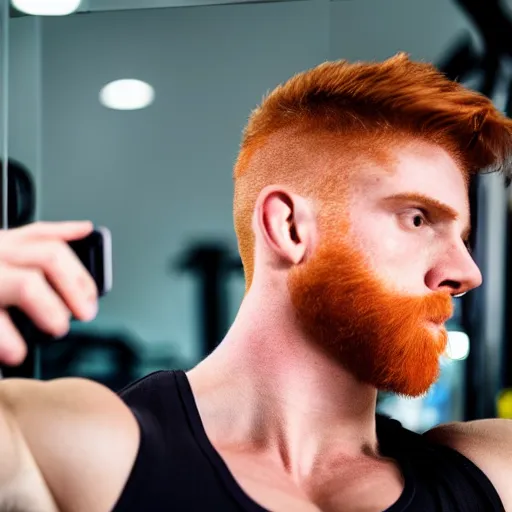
(351, 211)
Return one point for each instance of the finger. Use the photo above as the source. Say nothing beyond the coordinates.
(68, 230)
(63, 270)
(28, 290)
(12, 347)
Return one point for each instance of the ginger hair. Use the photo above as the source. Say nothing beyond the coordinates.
(338, 117)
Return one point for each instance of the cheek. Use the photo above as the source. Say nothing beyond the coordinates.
(402, 249)
(400, 261)
(387, 245)
(398, 257)
(392, 247)
(395, 244)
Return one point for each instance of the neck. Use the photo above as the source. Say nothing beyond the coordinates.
(266, 388)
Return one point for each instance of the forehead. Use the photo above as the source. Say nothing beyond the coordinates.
(418, 168)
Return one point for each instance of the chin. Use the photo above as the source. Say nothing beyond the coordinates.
(419, 387)
(414, 383)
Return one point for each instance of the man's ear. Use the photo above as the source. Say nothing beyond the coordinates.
(285, 222)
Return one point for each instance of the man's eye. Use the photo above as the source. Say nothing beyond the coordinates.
(418, 220)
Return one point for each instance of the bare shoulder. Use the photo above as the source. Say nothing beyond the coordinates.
(487, 443)
(81, 435)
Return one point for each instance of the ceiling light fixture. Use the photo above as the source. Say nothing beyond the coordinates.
(127, 94)
(47, 7)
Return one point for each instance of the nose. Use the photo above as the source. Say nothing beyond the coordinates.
(455, 272)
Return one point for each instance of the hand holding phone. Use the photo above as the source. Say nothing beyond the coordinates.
(50, 272)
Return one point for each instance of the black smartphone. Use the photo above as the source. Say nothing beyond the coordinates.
(95, 253)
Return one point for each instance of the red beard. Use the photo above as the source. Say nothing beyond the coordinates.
(381, 337)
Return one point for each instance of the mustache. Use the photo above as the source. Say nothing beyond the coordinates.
(438, 307)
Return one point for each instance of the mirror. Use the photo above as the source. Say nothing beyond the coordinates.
(129, 113)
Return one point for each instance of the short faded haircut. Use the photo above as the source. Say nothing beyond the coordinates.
(360, 110)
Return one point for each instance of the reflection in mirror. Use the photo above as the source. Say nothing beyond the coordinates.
(129, 113)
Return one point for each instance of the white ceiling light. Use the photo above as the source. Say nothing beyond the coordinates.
(47, 7)
(458, 345)
(127, 94)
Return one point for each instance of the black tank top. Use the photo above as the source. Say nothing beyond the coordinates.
(177, 468)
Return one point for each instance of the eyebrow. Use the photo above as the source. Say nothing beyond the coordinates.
(441, 209)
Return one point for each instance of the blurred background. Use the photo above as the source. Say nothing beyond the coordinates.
(129, 113)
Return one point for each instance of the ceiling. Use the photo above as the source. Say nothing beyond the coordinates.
(111, 5)
(118, 5)
(121, 5)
